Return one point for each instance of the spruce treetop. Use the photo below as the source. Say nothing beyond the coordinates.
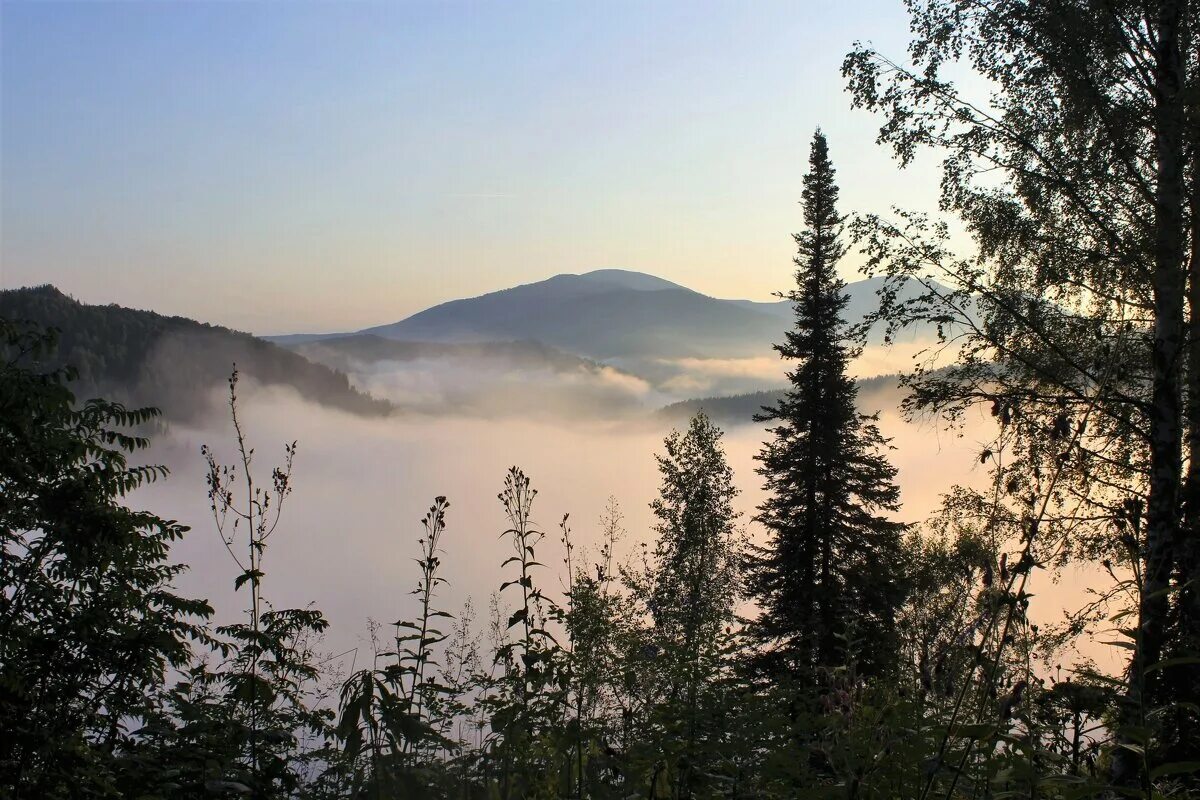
(827, 578)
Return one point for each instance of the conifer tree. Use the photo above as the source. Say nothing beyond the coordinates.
(692, 590)
(828, 574)
(693, 582)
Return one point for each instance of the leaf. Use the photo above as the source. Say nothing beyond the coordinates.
(221, 787)
(1174, 768)
(404, 725)
(519, 616)
(248, 575)
(1100, 678)
(1133, 748)
(1138, 733)
(977, 731)
(1167, 663)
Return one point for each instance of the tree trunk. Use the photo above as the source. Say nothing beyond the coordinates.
(1166, 427)
(1183, 681)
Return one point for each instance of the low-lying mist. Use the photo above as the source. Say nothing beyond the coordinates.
(348, 534)
(523, 379)
(481, 388)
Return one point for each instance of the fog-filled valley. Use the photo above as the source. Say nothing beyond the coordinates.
(375, 441)
(348, 534)
(392, 423)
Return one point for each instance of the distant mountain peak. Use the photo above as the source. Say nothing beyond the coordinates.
(629, 279)
(611, 313)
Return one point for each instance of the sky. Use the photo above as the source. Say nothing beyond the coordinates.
(286, 167)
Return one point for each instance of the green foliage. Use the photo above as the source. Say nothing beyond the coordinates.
(273, 735)
(395, 717)
(254, 723)
(89, 623)
(1076, 179)
(692, 586)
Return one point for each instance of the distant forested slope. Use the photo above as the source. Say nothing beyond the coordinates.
(739, 409)
(141, 357)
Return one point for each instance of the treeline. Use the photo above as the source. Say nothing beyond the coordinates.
(740, 409)
(844, 655)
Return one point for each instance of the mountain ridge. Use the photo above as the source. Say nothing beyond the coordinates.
(608, 331)
(606, 314)
(146, 358)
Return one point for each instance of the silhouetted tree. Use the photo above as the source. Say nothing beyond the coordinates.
(693, 582)
(829, 574)
(1077, 316)
(89, 621)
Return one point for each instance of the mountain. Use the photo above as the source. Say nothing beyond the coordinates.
(740, 409)
(140, 357)
(604, 340)
(861, 300)
(603, 315)
(734, 409)
(608, 314)
(628, 279)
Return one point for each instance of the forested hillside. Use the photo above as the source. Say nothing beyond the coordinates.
(740, 409)
(172, 363)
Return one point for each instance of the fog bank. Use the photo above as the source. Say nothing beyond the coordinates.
(348, 535)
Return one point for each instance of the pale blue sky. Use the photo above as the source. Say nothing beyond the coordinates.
(317, 166)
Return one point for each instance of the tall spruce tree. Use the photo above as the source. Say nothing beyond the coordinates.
(827, 579)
